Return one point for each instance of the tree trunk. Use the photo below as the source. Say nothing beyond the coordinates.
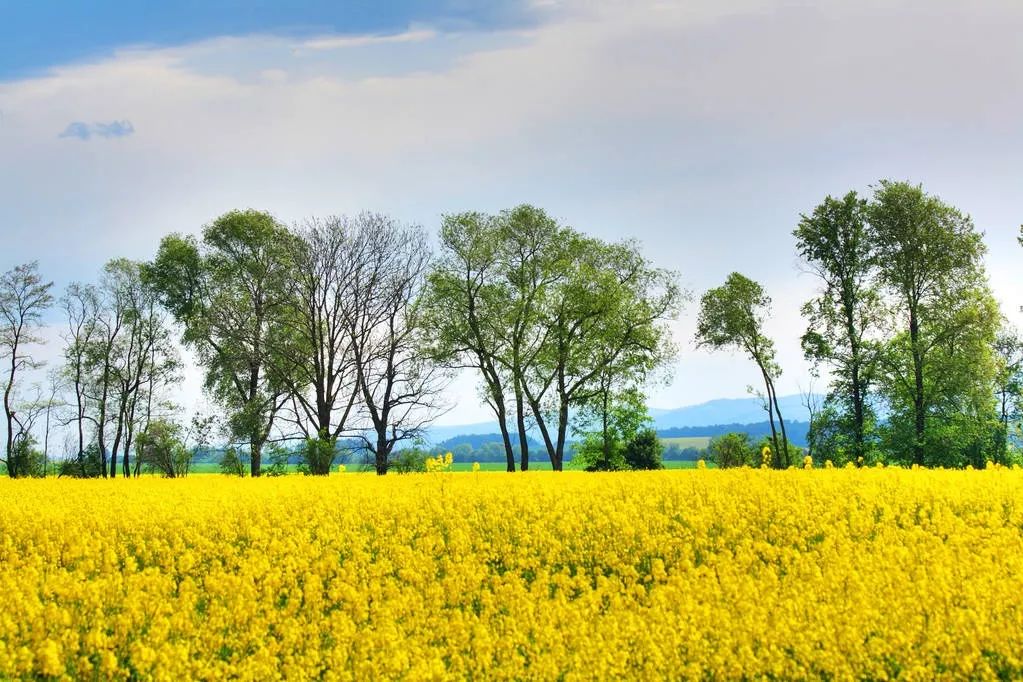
(776, 463)
(918, 389)
(382, 454)
(255, 456)
(520, 422)
(781, 425)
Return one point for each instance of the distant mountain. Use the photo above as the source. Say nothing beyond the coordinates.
(730, 411)
(711, 413)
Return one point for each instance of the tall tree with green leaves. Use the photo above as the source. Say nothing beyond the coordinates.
(464, 305)
(24, 296)
(230, 292)
(732, 316)
(533, 252)
(1008, 349)
(938, 368)
(845, 316)
(608, 315)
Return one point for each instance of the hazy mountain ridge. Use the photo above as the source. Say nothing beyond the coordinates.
(711, 413)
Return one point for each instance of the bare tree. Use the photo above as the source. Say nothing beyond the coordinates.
(316, 360)
(80, 303)
(23, 298)
(400, 386)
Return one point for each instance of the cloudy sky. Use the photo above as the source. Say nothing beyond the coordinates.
(703, 128)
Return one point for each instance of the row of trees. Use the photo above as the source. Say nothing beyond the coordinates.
(922, 368)
(349, 328)
(341, 329)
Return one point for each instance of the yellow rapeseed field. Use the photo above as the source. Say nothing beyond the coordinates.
(837, 573)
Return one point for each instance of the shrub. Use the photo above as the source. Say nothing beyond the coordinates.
(232, 463)
(733, 450)
(643, 451)
(160, 448)
(409, 461)
(89, 465)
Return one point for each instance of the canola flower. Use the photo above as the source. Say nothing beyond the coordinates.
(862, 573)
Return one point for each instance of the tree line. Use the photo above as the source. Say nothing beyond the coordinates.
(923, 368)
(348, 329)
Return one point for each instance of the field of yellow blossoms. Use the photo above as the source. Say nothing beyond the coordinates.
(843, 574)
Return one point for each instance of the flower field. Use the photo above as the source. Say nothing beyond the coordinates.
(846, 574)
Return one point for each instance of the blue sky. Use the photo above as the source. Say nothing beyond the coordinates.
(703, 129)
(38, 34)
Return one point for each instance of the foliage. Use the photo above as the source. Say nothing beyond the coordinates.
(318, 455)
(409, 460)
(231, 462)
(643, 451)
(88, 465)
(732, 316)
(26, 458)
(230, 293)
(279, 458)
(835, 244)
(24, 296)
(733, 450)
(161, 448)
(938, 369)
(511, 569)
(549, 317)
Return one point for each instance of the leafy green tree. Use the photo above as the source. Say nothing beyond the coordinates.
(1008, 349)
(643, 451)
(232, 463)
(464, 305)
(618, 419)
(733, 450)
(230, 292)
(608, 318)
(161, 448)
(732, 316)
(543, 312)
(937, 370)
(834, 244)
(24, 296)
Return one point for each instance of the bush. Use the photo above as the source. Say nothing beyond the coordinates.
(643, 451)
(89, 465)
(409, 461)
(733, 450)
(26, 460)
(318, 455)
(278, 457)
(160, 448)
(232, 463)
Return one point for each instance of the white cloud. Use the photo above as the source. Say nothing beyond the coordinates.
(350, 41)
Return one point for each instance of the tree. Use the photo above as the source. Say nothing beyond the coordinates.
(619, 418)
(81, 306)
(24, 296)
(733, 450)
(399, 384)
(463, 305)
(608, 317)
(317, 354)
(230, 292)
(1008, 348)
(161, 448)
(543, 312)
(732, 316)
(834, 244)
(938, 368)
(643, 451)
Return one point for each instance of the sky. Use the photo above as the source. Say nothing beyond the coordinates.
(703, 129)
